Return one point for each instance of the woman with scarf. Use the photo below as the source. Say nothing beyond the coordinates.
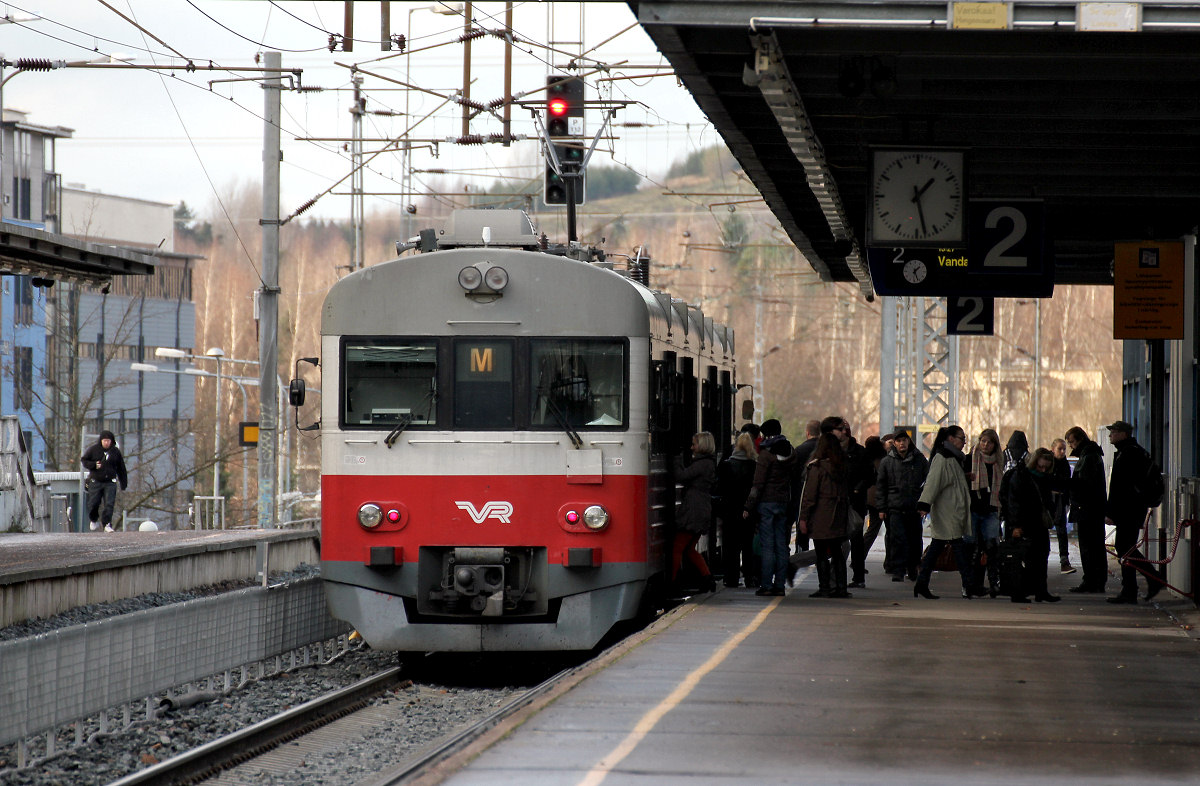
(987, 469)
(1030, 506)
(946, 499)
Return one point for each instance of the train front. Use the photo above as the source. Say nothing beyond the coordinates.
(483, 487)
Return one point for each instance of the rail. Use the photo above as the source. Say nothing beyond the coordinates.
(1144, 564)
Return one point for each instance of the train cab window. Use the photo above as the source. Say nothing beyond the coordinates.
(387, 382)
(483, 384)
(577, 383)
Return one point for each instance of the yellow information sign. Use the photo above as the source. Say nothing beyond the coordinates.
(1148, 290)
(248, 433)
(980, 16)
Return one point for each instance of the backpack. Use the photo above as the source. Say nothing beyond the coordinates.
(1150, 489)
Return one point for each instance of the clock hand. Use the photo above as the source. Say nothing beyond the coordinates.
(920, 211)
(917, 192)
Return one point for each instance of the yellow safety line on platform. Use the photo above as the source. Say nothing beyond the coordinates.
(651, 718)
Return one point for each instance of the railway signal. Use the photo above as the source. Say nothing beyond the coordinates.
(565, 143)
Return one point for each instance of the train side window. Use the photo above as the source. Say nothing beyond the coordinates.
(580, 383)
(386, 382)
(483, 383)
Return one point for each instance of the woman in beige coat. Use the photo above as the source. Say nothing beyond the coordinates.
(946, 499)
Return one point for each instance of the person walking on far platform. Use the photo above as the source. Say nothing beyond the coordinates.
(825, 511)
(946, 499)
(106, 469)
(1088, 501)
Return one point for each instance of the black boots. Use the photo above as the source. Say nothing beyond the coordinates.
(823, 571)
(839, 580)
(921, 588)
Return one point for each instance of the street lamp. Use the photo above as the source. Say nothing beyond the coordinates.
(218, 354)
(241, 382)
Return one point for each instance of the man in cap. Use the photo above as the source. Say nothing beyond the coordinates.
(1126, 509)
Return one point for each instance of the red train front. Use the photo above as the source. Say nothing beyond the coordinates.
(496, 423)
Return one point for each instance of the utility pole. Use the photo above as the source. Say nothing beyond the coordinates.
(268, 302)
(466, 91)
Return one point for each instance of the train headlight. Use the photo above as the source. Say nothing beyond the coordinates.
(595, 517)
(496, 278)
(469, 278)
(370, 515)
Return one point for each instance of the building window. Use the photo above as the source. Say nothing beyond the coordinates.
(22, 300)
(23, 378)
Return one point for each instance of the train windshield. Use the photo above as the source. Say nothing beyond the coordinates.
(577, 383)
(389, 382)
(483, 383)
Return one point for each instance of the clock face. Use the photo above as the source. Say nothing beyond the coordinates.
(917, 197)
(914, 271)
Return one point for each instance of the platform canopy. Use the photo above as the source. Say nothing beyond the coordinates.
(1092, 107)
(28, 251)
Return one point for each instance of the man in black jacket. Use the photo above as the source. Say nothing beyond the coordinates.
(106, 468)
(1088, 501)
(1126, 510)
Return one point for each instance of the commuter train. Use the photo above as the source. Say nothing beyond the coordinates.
(498, 419)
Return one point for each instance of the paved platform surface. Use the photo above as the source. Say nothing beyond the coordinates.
(26, 556)
(884, 688)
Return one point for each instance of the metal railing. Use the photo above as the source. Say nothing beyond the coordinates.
(208, 512)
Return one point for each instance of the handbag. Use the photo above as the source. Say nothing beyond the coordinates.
(945, 560)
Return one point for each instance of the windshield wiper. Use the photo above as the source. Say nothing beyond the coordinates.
(564, 424)
(407, 419)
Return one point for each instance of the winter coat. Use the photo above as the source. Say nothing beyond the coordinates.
(698, 478)
(825, 505)
(1088, 496)
(1029, 504)
(1129, 468)
(112, 463)
(735, 475)
(772, 474)
(862, 475)
(947, 497)
(981, 499)
(898, 481)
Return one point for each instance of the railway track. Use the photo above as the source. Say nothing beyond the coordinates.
(210, 759)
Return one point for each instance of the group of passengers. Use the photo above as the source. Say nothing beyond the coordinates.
(986, 508)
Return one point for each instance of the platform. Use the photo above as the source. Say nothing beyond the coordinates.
(884, 688)
(47, 573)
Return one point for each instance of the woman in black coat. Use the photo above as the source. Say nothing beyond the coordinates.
(735, 476)
(694, 514)
(1030, 507)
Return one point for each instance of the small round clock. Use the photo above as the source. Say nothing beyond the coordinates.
(914, 271)
(917, 198)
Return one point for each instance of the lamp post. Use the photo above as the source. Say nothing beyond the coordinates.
(241, 382)
(218, 355)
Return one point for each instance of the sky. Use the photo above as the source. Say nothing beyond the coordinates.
(171, 136)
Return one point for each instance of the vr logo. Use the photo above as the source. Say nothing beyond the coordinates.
(491, 510)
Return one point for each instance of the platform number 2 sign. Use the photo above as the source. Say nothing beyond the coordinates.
(970, 316)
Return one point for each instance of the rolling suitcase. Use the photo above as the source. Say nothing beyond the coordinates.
(1010, 559)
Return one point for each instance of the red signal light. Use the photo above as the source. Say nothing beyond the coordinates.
(558, 107)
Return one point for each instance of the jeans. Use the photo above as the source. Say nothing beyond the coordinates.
(773, 531)
(1128, 533)
(986, 527)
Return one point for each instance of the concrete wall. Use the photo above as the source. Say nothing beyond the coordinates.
(107, 218)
